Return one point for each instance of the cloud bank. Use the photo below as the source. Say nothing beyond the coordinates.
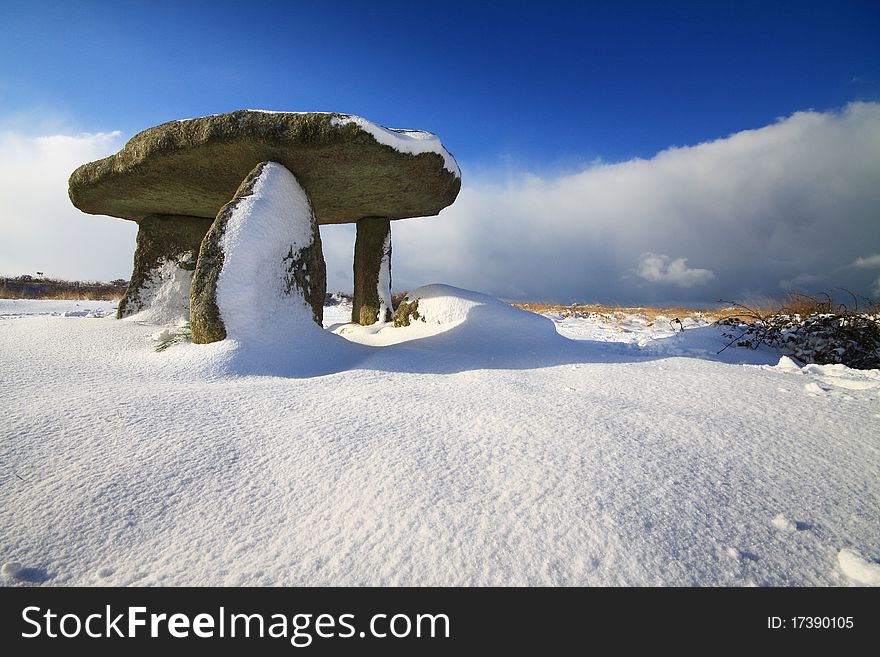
(39, 228)
(786, 206)
(793, 205)
(870, 262)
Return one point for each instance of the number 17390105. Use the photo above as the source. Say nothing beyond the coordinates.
(810, 623)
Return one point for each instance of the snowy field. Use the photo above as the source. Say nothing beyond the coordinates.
(489, 446)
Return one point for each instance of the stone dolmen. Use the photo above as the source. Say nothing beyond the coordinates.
(196, 187)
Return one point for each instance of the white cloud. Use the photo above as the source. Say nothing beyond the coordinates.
(39, 227)
(868, 262)
(755, 208)
(658, 268)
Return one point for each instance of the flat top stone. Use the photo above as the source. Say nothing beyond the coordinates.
(350, 168)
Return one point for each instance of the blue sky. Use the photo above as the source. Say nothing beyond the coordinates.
(540, 82)
(515, 90)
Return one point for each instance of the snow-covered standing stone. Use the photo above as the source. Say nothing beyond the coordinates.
(260, 273)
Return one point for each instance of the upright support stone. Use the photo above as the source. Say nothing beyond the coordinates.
(164, 259)
(372, 272)
(260, 275)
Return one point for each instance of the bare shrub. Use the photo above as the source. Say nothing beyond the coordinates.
(811, 329)
(396, 299)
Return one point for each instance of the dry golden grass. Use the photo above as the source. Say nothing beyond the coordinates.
(793, 304)
(845, 303)
(650, 313)
(46, 288)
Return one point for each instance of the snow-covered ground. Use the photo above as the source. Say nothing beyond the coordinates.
(495, 447)
(18, 308)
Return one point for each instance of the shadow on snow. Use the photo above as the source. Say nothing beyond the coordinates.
(493, 335)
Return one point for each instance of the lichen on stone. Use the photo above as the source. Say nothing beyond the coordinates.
(205, 320)
(372, 252)
(406, 313)
(306, 271)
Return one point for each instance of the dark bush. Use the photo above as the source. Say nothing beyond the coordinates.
(812, 330)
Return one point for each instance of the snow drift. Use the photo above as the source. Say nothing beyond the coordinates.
(460, 455)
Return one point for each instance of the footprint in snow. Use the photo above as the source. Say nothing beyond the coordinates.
(741, 555)
(857, 569)
(103, 573)
(815, 389)
(14, 570)
(11, 569)
(785, 523)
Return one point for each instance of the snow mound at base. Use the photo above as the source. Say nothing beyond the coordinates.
(165, 297)
(443, 308)
(468, 330)
(444, 304)
(457, 330)
(857, 569)
(462, 330)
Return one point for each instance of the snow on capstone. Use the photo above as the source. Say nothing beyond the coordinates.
(859, 570)
(413, 142)
(400, 139)
(165, 296)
